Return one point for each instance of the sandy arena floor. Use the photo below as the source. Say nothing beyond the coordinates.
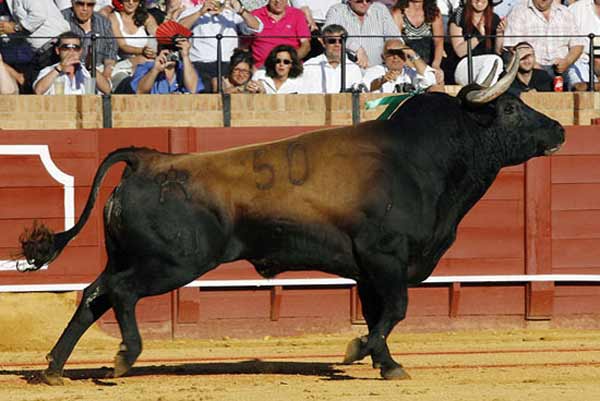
(544, 365)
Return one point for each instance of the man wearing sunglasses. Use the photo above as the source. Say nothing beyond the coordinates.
(69, 73)
(85, 22)
(364, 18)
(322, 74)
(403, 71)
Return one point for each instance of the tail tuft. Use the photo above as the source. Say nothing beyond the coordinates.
(37, 244)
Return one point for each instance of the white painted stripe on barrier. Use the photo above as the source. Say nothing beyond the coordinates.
(524, 278)
(68, 182)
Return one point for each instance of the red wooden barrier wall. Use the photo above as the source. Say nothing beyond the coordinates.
(542, 217)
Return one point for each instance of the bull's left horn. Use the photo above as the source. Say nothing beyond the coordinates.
(488, 94)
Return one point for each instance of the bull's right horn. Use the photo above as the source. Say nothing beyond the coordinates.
(486, 95)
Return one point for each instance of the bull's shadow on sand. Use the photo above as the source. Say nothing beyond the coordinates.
(102, 376)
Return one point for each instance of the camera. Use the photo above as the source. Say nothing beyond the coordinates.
(404, 88)
(173, 56)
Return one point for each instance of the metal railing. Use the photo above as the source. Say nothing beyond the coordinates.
(219, 38)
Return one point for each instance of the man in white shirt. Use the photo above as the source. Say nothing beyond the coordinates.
(68, 76)
(396, 74)
(587, 16)
(322, 74)
(210, 19)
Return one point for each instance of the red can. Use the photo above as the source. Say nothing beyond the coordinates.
(558, 83)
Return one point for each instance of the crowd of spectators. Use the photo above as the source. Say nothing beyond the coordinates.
(292, 46)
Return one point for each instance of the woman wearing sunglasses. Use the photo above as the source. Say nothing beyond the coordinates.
(68, 76)
(282, 72)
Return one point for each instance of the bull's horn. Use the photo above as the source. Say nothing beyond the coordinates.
(486, 95)
(488, 80)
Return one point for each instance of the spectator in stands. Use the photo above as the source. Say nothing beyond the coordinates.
(361, 18)
(282, 72)
(171, 11)
(587, 17)
(315, 12)
(238, 80)
(280, 20)
(529, 78)
(104, 7)
(556, 54)
(8, 83)
(419, 21)
(85, 22)
(477, 18)
(68, 73)
(403, 71)
(166, 74)
(206, 22)
(132, 25)
(447, 8)
(37, 20)
(15, 50)
(322, 74)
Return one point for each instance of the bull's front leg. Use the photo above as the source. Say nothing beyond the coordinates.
(392, 310)
(383, 293)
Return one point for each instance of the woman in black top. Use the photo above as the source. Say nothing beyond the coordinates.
(477, 18)
(419, 21)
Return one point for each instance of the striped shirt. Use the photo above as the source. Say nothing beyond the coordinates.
(377, 21)
(525, 20)
(106, 45)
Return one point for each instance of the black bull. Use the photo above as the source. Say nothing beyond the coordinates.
(379, 203)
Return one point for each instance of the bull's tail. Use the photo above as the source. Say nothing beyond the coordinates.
(40, 246)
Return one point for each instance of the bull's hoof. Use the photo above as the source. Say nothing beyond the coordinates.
(51, 378)
(395, 373)
(353, 351)
(121, 366)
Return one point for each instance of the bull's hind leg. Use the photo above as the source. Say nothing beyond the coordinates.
(124, 299)
(93, 305)
(385, 292)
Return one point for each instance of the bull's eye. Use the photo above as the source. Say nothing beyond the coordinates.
(509, 109)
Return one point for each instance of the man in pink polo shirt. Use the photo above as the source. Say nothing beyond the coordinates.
(279, 19)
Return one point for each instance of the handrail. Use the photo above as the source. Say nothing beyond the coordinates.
(319, 282)
(219, 37)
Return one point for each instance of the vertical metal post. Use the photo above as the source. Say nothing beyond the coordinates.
(219, 67)
(226, 100)
(343, 65)
(106, 111)
(469, 60)
(591, 72)
(355, 108)
(93, 58)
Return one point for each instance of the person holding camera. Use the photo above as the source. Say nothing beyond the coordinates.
(171, 72)
(228, 18)
(403, 70)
